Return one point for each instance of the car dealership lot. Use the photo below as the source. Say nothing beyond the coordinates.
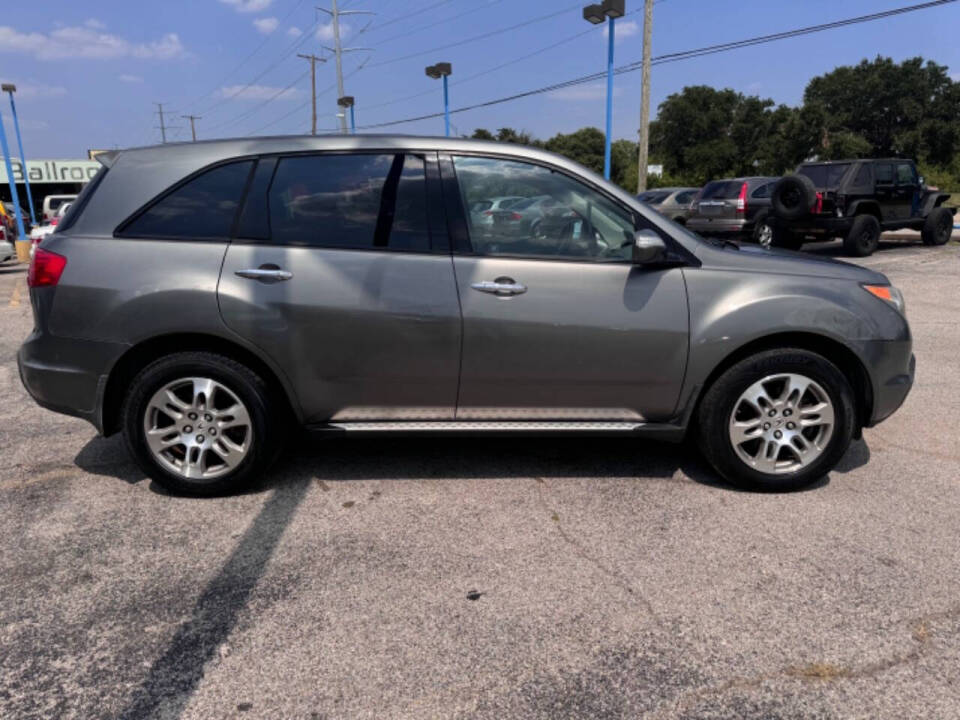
(490, 577)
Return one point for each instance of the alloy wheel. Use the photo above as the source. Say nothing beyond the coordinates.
(765, 236)
(782, 423)
(197, 428)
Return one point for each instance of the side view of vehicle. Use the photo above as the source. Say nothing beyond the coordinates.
(675, 203)
(856, 200)
(734, 208)
(208, 299)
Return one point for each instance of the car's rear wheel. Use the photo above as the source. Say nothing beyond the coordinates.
(199, 423)
(778, 420)
(938, 227)
(763, 232)
(863, 237)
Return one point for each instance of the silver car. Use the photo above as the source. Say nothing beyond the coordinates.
(675, 203)
(206, 299)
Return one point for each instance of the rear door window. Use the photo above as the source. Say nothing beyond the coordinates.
(203, 207)
(884, 173)
(363, 201)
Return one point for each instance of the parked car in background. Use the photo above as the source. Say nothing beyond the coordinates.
(52, 203)
(856, 200)
(7, 235)
(485, 212)
(735, 208)
(166, 307)
(675, 203)
(39, 232)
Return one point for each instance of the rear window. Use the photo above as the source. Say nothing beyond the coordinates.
(203, 207)
(764, 190)
(722, 190)
(685, 198)
(825, 176)
(654, 198)
(76, 208)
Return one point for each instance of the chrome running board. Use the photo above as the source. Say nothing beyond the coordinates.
(483, 426)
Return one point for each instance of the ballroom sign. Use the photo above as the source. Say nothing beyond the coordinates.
(52, 171)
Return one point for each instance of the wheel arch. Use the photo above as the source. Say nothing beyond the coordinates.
(146, 351)
(833, 350)
(866, 207)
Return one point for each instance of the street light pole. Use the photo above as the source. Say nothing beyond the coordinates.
(596, 14)
(11, 89)
(22, 234)
(442, 70)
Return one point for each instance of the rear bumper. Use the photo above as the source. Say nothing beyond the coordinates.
(67, 375)
(719, 226)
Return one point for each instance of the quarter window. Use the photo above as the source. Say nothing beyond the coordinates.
(204, 207)
(763, 191)
(557, 216)
(884, 173)
(350, 201)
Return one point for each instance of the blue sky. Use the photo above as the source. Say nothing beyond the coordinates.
(89, 72)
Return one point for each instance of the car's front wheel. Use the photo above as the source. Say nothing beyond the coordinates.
(198, 423)
(778, 420)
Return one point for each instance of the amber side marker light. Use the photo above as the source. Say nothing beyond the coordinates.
(887, 293)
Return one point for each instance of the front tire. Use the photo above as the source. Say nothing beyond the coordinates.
(199, 423)
(938, 227)
(777, 421)
(864, 236)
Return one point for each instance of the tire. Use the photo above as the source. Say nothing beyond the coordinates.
(793, 197)
(785, 239)
(938, 227)
(194, 467)
(864, 236)
(763, 232)
(725, 397)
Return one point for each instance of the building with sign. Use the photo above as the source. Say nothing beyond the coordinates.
(47, 177)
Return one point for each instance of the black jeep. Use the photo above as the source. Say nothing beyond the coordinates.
(856, 200)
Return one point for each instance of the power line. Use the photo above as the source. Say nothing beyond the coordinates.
(475, 38)
(677, 56)
(255, 108)
(413, 14)
(421, 28)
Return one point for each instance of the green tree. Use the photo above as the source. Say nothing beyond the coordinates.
(482, 134)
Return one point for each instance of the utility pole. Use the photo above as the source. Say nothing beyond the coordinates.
(163, 128)
(313, 87)
(193, 129)
(644, 144)
(338, 50)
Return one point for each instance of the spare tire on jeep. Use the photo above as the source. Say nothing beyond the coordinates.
(793, 197)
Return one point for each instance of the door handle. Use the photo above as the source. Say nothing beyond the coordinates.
(504, 287)
(265, 273)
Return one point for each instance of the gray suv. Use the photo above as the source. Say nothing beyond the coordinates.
(203, 299)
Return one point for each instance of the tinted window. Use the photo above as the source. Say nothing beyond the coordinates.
(76, 208)
(561, 218)
(350, 201)
(825, 176)
(722, 190)
(905, 174)
(254, 219)
(654, 198)
(202, 208)
(863, 176)
(685, 198)
(883, 173)
(764, 190)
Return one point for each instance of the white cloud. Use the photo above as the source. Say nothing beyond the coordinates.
(130, 78)
(294, 32)
(248, 6)
(86, 42)
(36, 90)
(257, 92)
(266, 25)
(623, 30)
(577, 93)
(95, 24)
(325, 32)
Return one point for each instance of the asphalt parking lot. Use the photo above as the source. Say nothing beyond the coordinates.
(490, 578)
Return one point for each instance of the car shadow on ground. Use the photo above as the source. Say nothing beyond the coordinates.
(344, 459)
(835, 249)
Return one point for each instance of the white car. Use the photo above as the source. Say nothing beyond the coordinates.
(39, 232)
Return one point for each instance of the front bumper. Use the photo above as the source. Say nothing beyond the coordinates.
(68, 375)
(892, 366)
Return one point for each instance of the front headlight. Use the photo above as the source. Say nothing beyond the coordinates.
(889, 294)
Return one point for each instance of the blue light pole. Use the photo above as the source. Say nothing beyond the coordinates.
(11, 89)
(596, 14)
(13, 186)
(443, 70)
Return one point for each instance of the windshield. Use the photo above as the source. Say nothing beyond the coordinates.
(722, 190)
(825, 176)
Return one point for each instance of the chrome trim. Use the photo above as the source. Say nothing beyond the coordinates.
(496, 287)
(264, 274)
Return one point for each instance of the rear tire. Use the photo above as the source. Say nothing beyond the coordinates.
(864, 236)
(199, 423)
(938, 227)
(763, 232)
(747, 463)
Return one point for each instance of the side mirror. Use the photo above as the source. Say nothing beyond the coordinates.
(922, 181)
(648, 247)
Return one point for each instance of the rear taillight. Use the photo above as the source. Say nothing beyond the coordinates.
(45, 268)
(818, 206)
(742, 199)
(488, 213)
(55, 221)
(516, 216)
